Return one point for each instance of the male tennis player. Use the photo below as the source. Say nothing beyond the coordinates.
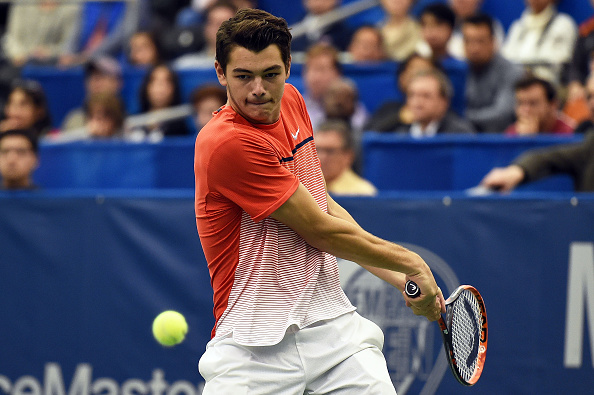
(270, 234)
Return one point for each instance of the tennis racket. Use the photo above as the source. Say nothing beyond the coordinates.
(464, 331)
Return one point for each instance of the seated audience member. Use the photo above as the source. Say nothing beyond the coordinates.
(464, 9)
(103, 29)
(205, 100)
(542, 39)
(428, 96)
(341, 101)
(160, 90)
(214, 15)
(102, 75)
(311, 29)
(144, 49)
(18, 159)
(579, 69)
(193, 14)
(334, 144)
(37, 32)
(575, 160)
(587, 124)
(393, 115)
(400, 31)
(537, 109)
(437, 25)
(27, 108)
(366, 46)
(489, 95)
(104, 119)
(321, 68)
(105, 116)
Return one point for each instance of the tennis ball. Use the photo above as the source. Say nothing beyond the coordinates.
(170, 328)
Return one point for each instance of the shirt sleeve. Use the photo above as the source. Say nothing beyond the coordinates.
(247, 170)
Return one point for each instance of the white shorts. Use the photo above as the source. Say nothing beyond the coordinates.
(339, 356)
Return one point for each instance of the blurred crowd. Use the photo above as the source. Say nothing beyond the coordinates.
(533, 78)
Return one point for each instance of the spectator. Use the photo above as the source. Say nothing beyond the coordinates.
(104, 28)
(335, 147)
(401, 32)
(428, 97)
(27, 108)
(322, 67)
(102, 75)
(18, 159)
(537, 109)
(205, 100)
(575, 160)
(341, 101)
(160, 90)
(192, 15)
(144, 49)
(396, 114)
(215, 14)
(366, 46)
(312, 29)
(542, 39)
(437, 25)
(491, 78)
(464, 9)
(53, 21)
(580, 68)
(588, 124)
(105, 116)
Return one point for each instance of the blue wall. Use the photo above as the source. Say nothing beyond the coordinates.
(82, 276)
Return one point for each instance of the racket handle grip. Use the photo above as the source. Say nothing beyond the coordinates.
(412, 290)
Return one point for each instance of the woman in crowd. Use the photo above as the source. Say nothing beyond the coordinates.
(26, 108)
(160, 90)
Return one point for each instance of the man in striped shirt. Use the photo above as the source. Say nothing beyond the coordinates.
(270, 234)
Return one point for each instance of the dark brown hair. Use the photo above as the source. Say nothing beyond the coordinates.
(111, 104)
(254, 30)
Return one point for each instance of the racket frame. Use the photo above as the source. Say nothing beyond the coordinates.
(445, 325)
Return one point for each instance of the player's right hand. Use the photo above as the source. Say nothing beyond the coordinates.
(430, 303)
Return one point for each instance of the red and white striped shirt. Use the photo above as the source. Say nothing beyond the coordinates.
(265, 277)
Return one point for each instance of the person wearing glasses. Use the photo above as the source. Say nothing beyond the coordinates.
(18, 159)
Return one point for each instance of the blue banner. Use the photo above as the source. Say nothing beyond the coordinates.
(82, 275)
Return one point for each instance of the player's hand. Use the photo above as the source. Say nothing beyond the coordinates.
(503, 179)
(430, 303)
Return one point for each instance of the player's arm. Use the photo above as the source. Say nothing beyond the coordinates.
(344, 239)
(397, 279)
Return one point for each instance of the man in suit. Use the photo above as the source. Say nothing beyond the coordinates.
(428, 97)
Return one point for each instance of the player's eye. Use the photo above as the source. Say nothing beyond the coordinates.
(271, 75)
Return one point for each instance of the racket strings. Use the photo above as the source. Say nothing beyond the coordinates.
(466, 332)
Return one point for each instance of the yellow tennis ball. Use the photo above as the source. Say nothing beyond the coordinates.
(170, 328)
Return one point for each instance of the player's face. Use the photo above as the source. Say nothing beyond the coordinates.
(255, 83)
(17, 159)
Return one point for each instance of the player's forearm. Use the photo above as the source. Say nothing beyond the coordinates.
(347, 240)
(394, 278)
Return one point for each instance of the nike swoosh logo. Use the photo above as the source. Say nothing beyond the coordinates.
(296, 134)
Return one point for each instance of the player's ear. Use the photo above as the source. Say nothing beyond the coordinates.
(220, 74)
